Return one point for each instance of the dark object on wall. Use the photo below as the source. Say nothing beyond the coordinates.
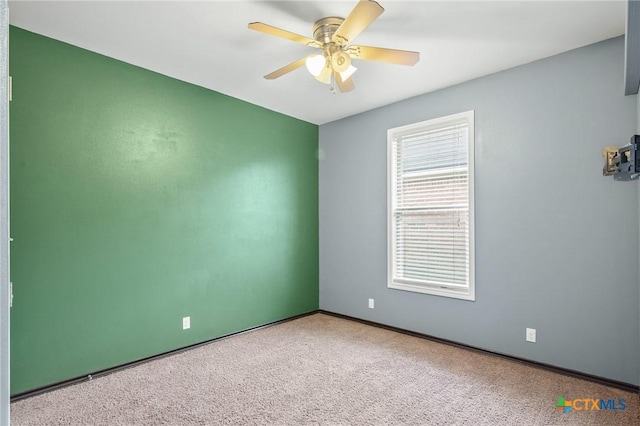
(623, 163)
(629, 167)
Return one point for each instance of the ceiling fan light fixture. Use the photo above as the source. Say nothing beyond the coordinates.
(316, 64)
(348, 72)
(325, 75)
(340, 61)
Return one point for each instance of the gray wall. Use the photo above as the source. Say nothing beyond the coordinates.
(556, 242)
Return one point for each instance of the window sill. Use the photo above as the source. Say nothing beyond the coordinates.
(467, 294)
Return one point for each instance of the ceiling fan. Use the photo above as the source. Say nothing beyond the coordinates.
(333, 35)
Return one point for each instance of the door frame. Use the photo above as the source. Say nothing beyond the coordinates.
(5, 290)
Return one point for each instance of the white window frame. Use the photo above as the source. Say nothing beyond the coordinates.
(467, 293)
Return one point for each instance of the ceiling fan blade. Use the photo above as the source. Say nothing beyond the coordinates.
(279, 32)
(365, 12)
(393, 56)
(286, 69)
(344, 86)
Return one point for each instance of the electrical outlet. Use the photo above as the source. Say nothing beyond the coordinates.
(186, 323)
(531, 335)
(371, 302)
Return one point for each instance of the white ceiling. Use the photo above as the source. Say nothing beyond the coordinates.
(208, 43)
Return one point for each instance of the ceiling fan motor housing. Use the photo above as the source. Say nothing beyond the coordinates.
(324, 29)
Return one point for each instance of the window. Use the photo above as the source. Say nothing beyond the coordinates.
(430, 207)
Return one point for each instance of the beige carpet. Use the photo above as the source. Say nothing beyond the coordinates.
(325, 370)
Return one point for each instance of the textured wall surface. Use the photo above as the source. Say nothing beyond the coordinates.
(556, 242)
(137, 199)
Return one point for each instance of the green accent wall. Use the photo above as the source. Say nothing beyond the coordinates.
(137, 199)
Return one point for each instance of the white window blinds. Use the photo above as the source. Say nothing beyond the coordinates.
(430, 177)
